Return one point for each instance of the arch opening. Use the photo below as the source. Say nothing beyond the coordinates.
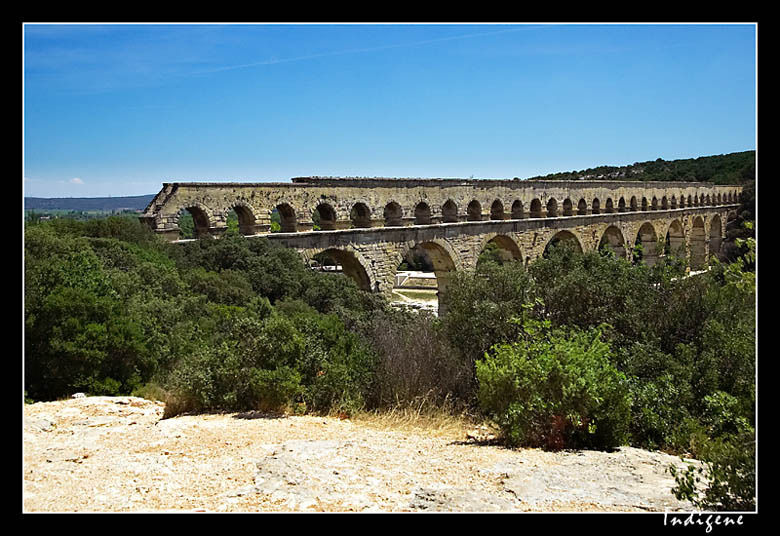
(474, 211)
(517, 210)
(497, 210)
(675, 241)
(552, 208)
(422, 214)
(324, 217)
(716, 237)
(283, 219)
(421, 278)
(393, 215)
(698, 245)
(192, 222)
(339, 261)
(612, 241)
(646, 245)
(449, 212)
(500, 250)
(562, 239)
(360, 215)
(536, 209)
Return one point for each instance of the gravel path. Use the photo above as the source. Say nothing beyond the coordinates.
(101, 454)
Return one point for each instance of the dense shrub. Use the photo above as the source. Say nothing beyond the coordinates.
(555, 389)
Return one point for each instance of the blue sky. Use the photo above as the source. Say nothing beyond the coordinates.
(119, 109)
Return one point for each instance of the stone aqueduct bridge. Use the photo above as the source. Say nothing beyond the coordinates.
(369, 225)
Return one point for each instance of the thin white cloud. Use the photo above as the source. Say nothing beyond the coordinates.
(76, 180)
(367, 49)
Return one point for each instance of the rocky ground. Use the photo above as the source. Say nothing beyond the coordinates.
(101, 454)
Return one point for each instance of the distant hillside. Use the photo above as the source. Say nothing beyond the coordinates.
(136, 202)
(733, 168)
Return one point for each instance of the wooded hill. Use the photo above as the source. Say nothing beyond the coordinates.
(733, 168)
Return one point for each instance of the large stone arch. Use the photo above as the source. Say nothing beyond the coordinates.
(353, 265)
(445, 260)
(612, 240)
(715, 235)
(698, 241)
(507, 246)
(675, 240)
(563, 236)
(647, 239)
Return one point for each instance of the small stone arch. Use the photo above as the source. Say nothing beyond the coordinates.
(644, 204)
(673, 202)
(682, 200)
(568, 209)
(497, 210)
(634, 206)
(474, 211)
(622, 204)
(422, 214)
(247, 221)
(582, 207)
(536, 208)
(552, 208)
(595, 206)
(517, 210)
(324, 215)
(664, 203)
(609, 207)
(202, 218)
(449, 212)
(288, 221)
(360, 215)
(393, 214)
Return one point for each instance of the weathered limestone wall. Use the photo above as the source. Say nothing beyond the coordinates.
(345, 203)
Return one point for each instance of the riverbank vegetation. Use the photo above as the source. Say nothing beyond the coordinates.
(572, 351)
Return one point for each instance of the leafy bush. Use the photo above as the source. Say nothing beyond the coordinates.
(555, 389)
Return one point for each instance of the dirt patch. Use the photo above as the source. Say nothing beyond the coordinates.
(103, 454)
